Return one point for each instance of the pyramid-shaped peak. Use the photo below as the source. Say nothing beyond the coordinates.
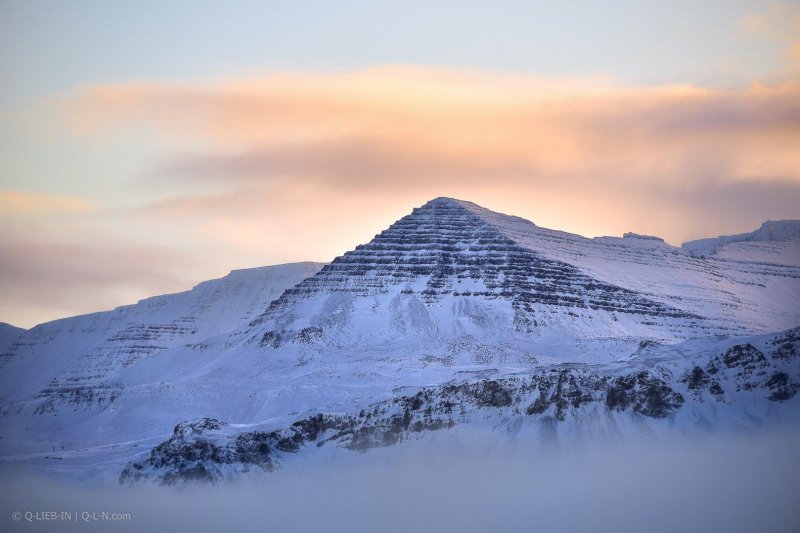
(453, 248)
(442, 238)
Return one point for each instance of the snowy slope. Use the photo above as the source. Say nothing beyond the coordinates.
(745, 384)
(450, 291)
(8, 335)
(735, 289)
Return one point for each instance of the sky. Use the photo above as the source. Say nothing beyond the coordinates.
(147, 146)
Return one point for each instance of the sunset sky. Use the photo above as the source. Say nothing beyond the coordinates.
(146, 146)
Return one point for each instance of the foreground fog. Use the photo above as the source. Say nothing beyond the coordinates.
(730, 483)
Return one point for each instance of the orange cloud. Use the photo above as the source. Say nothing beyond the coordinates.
(524, 143)
(407, 123)
(20, 203)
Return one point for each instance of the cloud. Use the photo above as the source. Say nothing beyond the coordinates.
(21, 203)
(408, 132)
(393, 126)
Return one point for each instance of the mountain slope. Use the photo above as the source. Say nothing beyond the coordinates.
(737, 289)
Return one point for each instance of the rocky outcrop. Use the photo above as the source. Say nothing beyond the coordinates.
(195, 452)
(745, 363)
(697, 380)
(645, 394)
(786, 345)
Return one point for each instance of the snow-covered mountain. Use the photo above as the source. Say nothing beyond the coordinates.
(452, 269)
(449, 296)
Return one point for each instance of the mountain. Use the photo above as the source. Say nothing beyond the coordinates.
(452, 295)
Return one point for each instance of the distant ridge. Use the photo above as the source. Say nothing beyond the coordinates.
(771, 230)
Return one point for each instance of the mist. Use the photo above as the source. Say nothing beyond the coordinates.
(719, 483)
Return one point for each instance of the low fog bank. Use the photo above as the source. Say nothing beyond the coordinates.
(730, 483)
